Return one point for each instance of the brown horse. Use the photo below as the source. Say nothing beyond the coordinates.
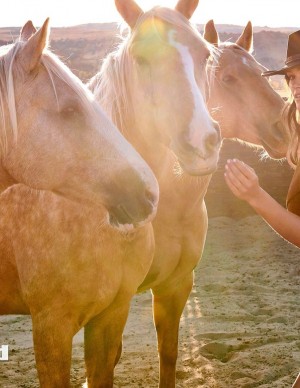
(62, 262)
(129, 74)
(54, 136)
(242, 101)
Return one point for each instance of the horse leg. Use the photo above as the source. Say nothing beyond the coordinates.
(119, 353)
(168, 305)
(53, 349)
(103, 344)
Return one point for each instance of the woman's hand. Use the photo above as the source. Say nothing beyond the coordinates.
(242, 181)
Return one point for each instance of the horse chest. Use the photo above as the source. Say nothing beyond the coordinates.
(179, 243)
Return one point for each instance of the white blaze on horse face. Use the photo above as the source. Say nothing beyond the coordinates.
(201, 123)
(246, 62)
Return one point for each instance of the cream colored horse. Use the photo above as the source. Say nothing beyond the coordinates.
(61, 261)
(142, 77)
(54, 136)
(241, 100)
(154, 87)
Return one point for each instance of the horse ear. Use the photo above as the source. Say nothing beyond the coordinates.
(187, 7)
(210, 33)
(27, 31)
(129, 10)
(246, 39)
(33, 49)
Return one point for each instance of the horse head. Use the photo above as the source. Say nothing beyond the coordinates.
(241, 100)
(163, 89)
(54, 135)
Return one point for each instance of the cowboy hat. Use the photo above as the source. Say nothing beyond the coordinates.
(292, 55)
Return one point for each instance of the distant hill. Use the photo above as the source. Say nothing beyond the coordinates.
(83, 47)
(234, 29)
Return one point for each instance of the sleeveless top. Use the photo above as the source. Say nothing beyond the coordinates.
(293, 195)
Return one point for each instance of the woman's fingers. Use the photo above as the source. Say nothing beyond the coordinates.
(233, 186)
(235, 169)
(241, 179)
(242, 167)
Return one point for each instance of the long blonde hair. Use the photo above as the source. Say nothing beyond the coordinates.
(291, 119)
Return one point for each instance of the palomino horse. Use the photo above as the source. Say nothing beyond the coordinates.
(153, 87)
(54, 136)
(126, 88)
(67, 267)
(61, 261)
(242, 101)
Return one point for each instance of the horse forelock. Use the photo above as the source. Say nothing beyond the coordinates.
(54, 67)
(110, 85)
(240, 51)
(176, 19)
(230, 47)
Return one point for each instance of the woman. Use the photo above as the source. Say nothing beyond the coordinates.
(243, 181)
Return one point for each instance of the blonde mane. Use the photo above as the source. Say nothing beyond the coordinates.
(53, 67)
(110, 84)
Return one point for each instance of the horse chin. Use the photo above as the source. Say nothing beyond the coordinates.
(122, 228)
(121, 221)
(274, 154)
(200, 168)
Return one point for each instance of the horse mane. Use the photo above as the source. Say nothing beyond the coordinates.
(110, 84)
(53, 66)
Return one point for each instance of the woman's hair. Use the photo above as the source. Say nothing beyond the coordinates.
(291, 117)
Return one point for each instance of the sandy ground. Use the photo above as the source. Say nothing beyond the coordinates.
(240, 327)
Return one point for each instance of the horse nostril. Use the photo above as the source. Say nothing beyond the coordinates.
(217, 127)
(151, 196)
(212, 141)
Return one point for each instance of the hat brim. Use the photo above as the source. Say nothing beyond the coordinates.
(274, 72)
(281, 71)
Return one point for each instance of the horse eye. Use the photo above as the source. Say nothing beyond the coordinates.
(141, 61)
(69, 111)
(228, 79)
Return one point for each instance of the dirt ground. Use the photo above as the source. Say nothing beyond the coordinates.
(240, 327)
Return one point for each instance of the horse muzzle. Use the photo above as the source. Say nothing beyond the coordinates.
(131, 214)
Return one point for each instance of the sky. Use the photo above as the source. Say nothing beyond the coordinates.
(271, 13)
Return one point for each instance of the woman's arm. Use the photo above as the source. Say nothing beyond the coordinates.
(243, 182)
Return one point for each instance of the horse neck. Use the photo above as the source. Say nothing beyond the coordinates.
(173, 186)
(6, 179)
(157, 155)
